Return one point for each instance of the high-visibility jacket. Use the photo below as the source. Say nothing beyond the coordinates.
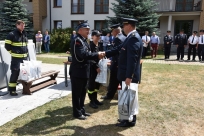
(16, 44)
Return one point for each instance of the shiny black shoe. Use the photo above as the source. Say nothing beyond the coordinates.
(82, 117)
(13, 93)
(93, 105)
(87, 114)
(105, 97)
(123, 124)
(98, 103)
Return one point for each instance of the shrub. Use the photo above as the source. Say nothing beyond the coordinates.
(60, 39)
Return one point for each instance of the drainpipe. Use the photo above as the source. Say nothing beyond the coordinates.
(50, 18)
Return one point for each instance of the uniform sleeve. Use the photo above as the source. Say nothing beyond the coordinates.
(113, 52)
(176, 39)
(164, 39)
(8, 42)
(82, 53)
(133, 54)
(185, 40)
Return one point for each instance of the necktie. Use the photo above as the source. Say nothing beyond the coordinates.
(202, 39)
(192, 40)
(146, 38)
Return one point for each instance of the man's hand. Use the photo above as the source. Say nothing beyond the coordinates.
(67, 52)
(101, 54)
(98, 70)
(177, 45)
(167, 42)
(128, 81)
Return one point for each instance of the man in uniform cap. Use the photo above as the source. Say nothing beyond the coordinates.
(168, 40)
(201, 46)
(193, 44)
(129, 62)
(114, 82)
(80, 69)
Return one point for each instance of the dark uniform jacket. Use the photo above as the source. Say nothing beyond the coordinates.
(168, 39)
(116, 43)
(181, 40)
(16, 44)
(130, 53)
(81, 57)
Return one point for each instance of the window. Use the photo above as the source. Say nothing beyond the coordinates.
(57, 3)
(100, 24)
(101, 6)
(57, 24)
(74, 23)
(77, 7)
(184, 5)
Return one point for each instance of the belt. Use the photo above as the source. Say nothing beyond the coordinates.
(192, 44)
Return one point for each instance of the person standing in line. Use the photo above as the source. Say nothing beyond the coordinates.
(106, 41)
(16, 45)
(80, 69)
(181, 42)
(114, 82)
(154, 40)
(201, 46)
(38, 38)
(46, 40)
(130, 53)
(93, 87)
(193, 44)
(145, 40)
(168, 40)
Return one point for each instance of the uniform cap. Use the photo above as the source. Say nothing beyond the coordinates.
(195, 32)
(96, 33)
(168, 31)
(114, 26)
(201, 30)
(83, 24)
(129, 21)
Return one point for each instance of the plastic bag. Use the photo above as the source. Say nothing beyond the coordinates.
(102, 76)
(24, 72)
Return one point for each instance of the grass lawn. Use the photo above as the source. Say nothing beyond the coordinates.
(52, 60)
(171, 99)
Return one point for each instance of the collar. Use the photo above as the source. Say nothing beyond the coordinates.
(84, 39)
(131, 32)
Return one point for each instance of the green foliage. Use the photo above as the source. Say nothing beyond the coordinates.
(142, 10)
(60, 39)
(10, 12)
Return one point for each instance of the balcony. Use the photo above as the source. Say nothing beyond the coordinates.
(178, 5)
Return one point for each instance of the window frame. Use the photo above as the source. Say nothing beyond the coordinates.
(72, 21)
(101, 25)
(184, 3)
(55, 4)
(101, 7)
(78, 7)
(55, 24)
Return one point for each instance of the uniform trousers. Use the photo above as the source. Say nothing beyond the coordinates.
(13, 80)
(79, 87)
(113, 83)
(154, 49)
(201, 51)
(92, 85)
(191, 46)
(180, 51)
(167, 49)
(144, 53)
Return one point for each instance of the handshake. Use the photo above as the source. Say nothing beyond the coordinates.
(101, 54)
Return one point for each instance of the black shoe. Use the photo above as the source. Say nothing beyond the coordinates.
(87, 114)
(124, 124)
(105, 97)
(93, 105)
(120, 120)
(98, 103)
(82, 117)
(177, 59)
(13, 93)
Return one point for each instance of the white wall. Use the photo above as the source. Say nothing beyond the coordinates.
(65, 15)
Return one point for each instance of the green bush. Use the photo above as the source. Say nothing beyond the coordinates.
(60, 39)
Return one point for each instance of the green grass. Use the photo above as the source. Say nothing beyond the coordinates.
(171, 99)
(52, 60)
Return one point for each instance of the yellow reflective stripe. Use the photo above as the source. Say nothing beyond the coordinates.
(90, 92)
(8, 41)
(19, 44)
(12, 84)
(96, 90)
(19, 55)
(9, 51)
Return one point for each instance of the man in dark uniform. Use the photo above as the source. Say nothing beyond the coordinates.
(130, 53)
(114, 82)
(168, 40)
(201, 46)
(181, 42)
(80, 69)
(16, 44)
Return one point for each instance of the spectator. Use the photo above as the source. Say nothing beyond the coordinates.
(46, 40)
(154, 40)
(193, 43)
(145, 40)
(38, 38)
(73, 35)
(106, 41)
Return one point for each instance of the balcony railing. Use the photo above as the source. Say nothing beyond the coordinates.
(178, 5)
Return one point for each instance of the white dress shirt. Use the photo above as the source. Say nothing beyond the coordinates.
(192, 40)
(200, 39)
(145, 38)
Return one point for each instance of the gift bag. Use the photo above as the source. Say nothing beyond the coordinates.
(102, 76)
(128, 101)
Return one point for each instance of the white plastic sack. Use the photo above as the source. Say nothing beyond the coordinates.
(24, 72)
(37, 68)
(128, 102)
(31, 68)
(102, 76)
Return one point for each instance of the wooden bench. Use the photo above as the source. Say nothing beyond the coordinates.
(65, 71)
(28, 88)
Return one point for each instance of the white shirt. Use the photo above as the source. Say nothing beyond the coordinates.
(146, 39)
(195, 40)
(200, 39)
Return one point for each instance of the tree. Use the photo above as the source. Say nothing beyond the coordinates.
(142, 10)
(10, 12)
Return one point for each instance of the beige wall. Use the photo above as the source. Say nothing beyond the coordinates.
(201, 26)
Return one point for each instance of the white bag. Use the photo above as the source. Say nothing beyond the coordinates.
(102, 76)
(128, 101)
(31, 68)
(37, 68)
(24, 72)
